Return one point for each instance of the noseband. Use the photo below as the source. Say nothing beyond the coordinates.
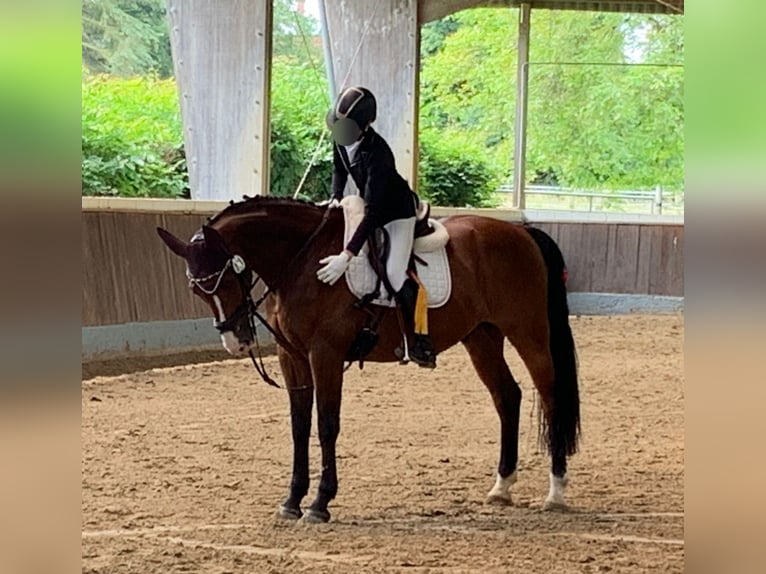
(247, 307)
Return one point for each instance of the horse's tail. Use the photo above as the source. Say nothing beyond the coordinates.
(560, 433)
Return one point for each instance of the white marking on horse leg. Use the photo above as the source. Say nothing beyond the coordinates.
(501, 492)
(555, 499)
(229, 341)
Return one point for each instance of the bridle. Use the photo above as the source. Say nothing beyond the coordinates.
(247, 281)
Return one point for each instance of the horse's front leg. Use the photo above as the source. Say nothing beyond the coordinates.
(327, 372)
(297, 375)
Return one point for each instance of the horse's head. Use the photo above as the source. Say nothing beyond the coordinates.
(223, 280)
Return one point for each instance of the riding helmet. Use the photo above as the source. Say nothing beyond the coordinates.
(355, 109)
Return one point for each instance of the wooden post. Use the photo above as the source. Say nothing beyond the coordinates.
(657, 200)
(222, 58)
(385, 60)
(520, 125)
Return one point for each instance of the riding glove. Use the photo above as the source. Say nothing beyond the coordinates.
(331, 203)
(334, 267)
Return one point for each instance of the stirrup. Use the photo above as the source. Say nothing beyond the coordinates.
(422, 353)
(403, 353)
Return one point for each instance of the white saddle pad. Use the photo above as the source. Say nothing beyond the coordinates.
(361, 279)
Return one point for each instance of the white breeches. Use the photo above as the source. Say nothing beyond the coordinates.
(402, 235)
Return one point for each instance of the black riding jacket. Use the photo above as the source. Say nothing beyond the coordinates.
(386, 194)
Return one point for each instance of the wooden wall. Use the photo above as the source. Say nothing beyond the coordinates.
(620, 257)
(130, 276)
(128, 273)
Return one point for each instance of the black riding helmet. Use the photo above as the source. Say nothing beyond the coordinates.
(355, 109)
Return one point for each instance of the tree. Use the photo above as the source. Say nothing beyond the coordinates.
(126, 37)
(295, 34)
(588, 125)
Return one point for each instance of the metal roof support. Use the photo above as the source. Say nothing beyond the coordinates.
(327, 45)
(520, 124)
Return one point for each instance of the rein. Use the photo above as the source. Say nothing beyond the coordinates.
(238, 265)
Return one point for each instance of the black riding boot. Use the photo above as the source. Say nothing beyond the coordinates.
(422, 351)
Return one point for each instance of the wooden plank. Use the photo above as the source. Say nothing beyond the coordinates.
(570, 241)
(643, 259)
(387, 63)
(656, 272)
(669, 263)
(622, 258)
(91, 258)
(222, 58)
(677, 267)
(596, 243)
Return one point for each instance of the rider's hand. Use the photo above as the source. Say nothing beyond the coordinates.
(331, 203)
(334, 267)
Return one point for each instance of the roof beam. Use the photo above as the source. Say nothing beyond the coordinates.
(429, 10)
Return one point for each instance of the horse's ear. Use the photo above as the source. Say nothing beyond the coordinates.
(213, 239)
(177, 246)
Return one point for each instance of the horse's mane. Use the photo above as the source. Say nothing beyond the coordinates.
(250, 204)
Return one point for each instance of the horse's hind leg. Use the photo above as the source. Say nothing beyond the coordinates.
(534, 349)
(485, 346)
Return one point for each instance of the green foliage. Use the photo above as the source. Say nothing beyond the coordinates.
(605, 127)
(131, 138)
(131, 37)
(294, 33)
(589, 126)
(467, 86)
(126, 37)
(432, 35)
(299, 104)
(452, 174)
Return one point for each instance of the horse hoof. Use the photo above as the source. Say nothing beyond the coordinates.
(316, 516)
(290, 513)
(555, 506)
(497, 500)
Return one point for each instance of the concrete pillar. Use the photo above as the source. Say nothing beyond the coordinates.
(386, 61)
(222, 58)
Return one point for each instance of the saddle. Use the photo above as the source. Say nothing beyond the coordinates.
(429, 257)
(366, 273)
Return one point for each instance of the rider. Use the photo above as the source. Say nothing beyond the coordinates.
(389, 203)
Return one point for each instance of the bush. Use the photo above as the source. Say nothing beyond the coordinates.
(299, 103)
(289, 159)
(131, 138)
(452, 173)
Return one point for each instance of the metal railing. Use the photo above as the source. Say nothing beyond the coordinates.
(657, 198)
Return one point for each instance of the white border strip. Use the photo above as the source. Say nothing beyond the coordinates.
(187, 206)
(623, 304)
(155, 338)
(158, 337)
(532, 216)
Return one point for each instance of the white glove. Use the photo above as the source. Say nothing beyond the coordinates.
(334, 267)
(329, 203)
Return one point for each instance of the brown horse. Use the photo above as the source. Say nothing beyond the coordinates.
(508, 282)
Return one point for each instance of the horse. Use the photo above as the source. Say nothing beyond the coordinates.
(509, 282)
